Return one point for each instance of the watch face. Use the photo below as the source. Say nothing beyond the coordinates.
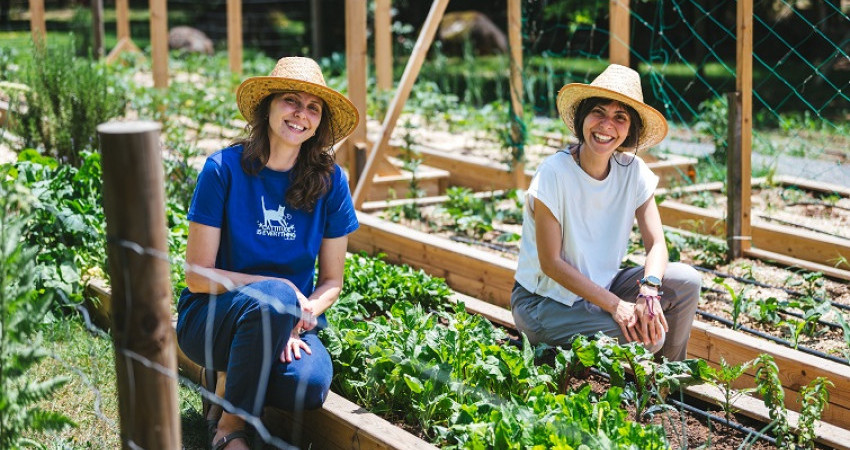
(651, 281)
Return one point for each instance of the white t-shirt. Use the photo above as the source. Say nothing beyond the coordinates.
(596, 219)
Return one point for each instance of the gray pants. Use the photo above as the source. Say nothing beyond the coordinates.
(545, 320)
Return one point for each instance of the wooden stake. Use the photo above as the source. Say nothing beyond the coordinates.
(411, 70)
(234, 35)
(383, 45)
(620, 32)
(739, 156)
(97, 25)
(159, 42)
(515, 40)
(122, 24)
(356, 62)
(144, 341)
(122, 19)
(37, 23)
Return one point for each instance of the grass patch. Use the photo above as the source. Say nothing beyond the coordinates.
(91, 397)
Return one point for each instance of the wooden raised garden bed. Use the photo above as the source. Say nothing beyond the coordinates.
(487, 276)
(782, 243)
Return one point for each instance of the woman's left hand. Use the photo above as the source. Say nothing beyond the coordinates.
(293, 347)
(651, 320)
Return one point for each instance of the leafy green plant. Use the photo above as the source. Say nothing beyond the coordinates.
(845, 327)
(723, 377)
(67, 99)
(739, 302)
(814, 398)
(713, 124)
(769, 386)
(470, 214)
(765, 310)
(447, 373)
(22, 308)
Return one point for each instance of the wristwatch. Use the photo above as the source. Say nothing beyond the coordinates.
(651, 280)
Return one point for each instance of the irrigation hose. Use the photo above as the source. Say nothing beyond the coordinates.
(780, 341)
(783, 311)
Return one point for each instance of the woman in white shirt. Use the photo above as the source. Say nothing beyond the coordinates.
(579, 212)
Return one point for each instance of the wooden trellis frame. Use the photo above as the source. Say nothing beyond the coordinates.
(122, 28)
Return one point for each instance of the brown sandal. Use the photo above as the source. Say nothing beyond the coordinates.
(238, 434)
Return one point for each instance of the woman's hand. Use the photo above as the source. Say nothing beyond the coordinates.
(308, 316)
(625, 317)
(293, 347)
(650, 317)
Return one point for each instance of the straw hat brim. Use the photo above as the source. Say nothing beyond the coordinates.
(344, 116)
(654, 124)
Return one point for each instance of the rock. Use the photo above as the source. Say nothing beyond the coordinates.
(459, 26)
(190, 40)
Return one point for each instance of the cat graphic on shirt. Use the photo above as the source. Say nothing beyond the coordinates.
(273, 215)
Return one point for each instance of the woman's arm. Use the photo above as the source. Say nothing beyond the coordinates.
(649, 223)
(549, 244)
(331, 269)
(652, 321)
(201, 273)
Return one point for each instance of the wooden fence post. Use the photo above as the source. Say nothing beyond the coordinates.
(97, 28)
(38, 28)
(144, 340)
(515, 39)
(739, 155)
(383, 45)
(619, 33)
(122, 28)
(159, 42)
(234, 35)
(355, 64)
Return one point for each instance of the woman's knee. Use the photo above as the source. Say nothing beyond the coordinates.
(683, 280)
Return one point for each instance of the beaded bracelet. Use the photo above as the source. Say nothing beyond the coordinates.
(650, 304)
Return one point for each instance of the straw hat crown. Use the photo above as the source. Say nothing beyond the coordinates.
(298, 74)
(618, 83)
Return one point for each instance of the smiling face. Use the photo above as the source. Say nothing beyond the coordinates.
(605, 127)
(294, 117)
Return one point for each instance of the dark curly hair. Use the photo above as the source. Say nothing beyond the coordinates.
(311, 175)
(586, 106)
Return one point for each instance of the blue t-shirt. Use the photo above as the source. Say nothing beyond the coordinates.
(260, 233)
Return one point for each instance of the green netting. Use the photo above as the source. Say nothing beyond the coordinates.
(685, 52)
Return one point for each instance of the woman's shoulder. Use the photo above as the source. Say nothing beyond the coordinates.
(226, 156)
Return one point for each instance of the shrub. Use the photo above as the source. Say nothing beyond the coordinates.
(22, 308)
(67, 99)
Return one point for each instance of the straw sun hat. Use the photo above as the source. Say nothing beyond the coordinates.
(298, 74)
(618, 83)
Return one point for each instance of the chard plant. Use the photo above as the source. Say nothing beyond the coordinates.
(448, 372)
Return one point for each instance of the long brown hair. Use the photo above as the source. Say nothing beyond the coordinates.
(311, 175)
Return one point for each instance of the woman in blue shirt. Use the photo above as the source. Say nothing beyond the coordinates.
(264, 211)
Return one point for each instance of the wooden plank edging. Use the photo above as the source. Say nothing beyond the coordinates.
(338, 424)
